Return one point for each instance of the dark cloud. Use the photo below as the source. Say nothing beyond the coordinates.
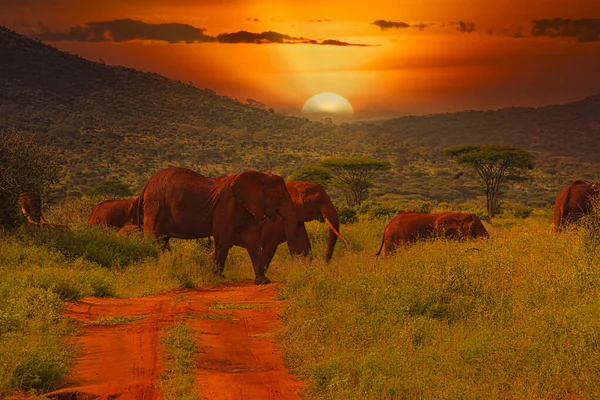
(249, 37)
(127, 29)
(122, 30)
(253, 19)
(584, 30)
(383, 24)
(517, 35)
(319, 20)
(466, 27)
(420, 26)
(331, 42)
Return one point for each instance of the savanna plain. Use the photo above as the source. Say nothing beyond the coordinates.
(516, 316)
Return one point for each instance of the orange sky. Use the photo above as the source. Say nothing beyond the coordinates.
(443, 67)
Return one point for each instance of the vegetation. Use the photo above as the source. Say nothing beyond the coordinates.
(177, 381)
(25, 166)
(111, 188)
(311, 173)
(99, 122)
(495, 165)
(353, 176)
(516, 317)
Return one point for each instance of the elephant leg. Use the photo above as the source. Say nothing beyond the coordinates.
(222, 247)
(268, 252)
(251, 241)
(165, 243)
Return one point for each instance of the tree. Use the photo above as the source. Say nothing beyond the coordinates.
(495, 165)
(310, 173)
(353, 176)
(25, 166)
(110, 188)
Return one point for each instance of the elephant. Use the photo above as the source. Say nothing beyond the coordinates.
(113, 213)
(311, 202)
(411, 226)
(574, 202)
(180, 203)
(31, 206)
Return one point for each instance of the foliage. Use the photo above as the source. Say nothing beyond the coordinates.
(310, 173)
(516, 317)
(110, 188)
(177, 381)
(97, 119)
(353, 176)
(25, 166)
(347, 214)
(495, 165)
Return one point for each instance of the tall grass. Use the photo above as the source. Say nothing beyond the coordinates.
(40, 269)
(516, 317)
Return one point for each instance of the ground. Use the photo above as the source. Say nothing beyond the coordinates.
(234, 328)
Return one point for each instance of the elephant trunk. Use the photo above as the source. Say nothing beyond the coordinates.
(333, 222)
(295, 233)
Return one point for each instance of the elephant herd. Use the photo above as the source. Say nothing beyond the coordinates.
(259, 211)
(254, 210)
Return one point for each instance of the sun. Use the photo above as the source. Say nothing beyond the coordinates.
(328, 103)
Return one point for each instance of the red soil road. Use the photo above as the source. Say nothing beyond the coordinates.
(238, 357)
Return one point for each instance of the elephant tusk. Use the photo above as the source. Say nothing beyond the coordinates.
(337, 233)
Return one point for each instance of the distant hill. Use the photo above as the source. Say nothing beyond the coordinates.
(112, 122)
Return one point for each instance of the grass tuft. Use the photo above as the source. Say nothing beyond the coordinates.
(177, 381)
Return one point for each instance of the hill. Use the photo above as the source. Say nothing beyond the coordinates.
(112, 122)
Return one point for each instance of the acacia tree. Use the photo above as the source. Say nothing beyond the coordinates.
(353, 176)
(495, 165)
(25, 166)
(310, 173)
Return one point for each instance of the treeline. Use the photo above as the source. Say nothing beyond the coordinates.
(114, 123)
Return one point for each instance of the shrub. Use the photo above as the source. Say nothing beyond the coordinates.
(347, 214)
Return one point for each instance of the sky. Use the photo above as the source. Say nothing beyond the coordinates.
(387, 57)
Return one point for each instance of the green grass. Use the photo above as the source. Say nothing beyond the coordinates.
(114, 320)
(40, 270)
(516, 317)
(177, 380)
(235, 306)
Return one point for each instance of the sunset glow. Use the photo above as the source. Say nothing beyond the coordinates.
(423, 57)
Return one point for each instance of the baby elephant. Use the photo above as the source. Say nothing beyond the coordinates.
(409, 227)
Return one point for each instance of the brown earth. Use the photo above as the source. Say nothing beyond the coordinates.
(238, 357)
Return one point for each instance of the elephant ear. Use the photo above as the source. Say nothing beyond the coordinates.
(249, 192)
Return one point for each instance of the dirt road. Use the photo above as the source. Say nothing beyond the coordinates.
(234, 325)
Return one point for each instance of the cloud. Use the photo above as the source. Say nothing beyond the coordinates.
(466, 27)
(319, 20)
(517, 35)
(420, 26)
(584, 30)
(123, 30)
(253, 19)
(383, 24)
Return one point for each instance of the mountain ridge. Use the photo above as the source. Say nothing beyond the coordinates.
(114, 122)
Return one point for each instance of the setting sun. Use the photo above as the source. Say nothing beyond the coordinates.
(329, 103)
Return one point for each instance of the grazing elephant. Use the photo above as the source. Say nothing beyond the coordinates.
(409, 227)
(311, 202)
(573, 202)
(180, 203)
(113, 213)
(31, 206)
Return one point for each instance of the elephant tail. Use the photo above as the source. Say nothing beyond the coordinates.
(381, 247)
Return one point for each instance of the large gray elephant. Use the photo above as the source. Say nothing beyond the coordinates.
(180, 203)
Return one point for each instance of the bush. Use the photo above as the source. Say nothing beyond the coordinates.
(114, 189)
(347, 214)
